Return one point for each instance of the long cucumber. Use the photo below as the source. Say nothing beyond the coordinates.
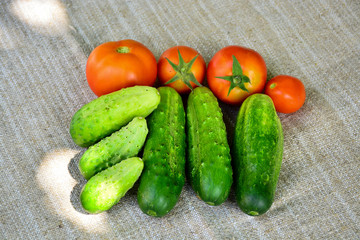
(164, 156)
(257, 157)
(209, 161)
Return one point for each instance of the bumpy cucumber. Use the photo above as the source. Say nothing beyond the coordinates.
(209, 162)
(120, 145)
(258, 148)
(106, 188)
(164, 156)
(110, 112)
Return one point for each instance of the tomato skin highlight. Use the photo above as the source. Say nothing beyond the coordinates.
(112, 66)
(287, 92)
(166, 72)
(252, 64)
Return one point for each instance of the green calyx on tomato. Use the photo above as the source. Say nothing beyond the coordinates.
(273, 85)
(123, 50)
(183, 72)
(237, 79)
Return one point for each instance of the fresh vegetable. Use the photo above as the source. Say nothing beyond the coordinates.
(209, 161)
(181, 68)
(108, 113)
(236, 72)
(257, 154)
(287, 92)
(164, 156)
(106, 188)
(115, 65)
(122, 144)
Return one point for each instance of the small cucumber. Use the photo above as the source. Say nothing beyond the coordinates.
(257, 154)
(209, 162)
(106, 188)
(120, 145)
(164, 156)
(110, 112)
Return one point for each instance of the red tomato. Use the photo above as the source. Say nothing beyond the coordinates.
(236, 72)
(287, 93)
(116, 65)
(181, 68)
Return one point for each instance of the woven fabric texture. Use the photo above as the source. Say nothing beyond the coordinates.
(44, 46)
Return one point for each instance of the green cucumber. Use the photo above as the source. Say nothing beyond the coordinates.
(257, 154)
(122, 144)
(106, 188)
(164, 156)
(209, 162)
(108, 113)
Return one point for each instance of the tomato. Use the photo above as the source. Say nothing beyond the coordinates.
(181, 68)
(236, 72)
(287, 92)
(115, 65)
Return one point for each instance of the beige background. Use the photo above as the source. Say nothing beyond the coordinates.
(44, 46)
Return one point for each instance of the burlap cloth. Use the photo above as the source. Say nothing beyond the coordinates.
(44, 46)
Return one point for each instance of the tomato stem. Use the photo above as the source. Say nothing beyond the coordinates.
(123, 49)
(237, 79)
(273, 85)
(183, 72)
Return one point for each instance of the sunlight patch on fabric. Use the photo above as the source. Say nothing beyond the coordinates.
(54, 179)
(46, 17)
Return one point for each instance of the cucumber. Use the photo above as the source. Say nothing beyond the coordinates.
(108, 113)
(164, 156)
(120, 145)
(257, 154)
(106, 188)
(209, 162)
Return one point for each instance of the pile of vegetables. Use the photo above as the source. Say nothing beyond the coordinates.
(181, 142)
